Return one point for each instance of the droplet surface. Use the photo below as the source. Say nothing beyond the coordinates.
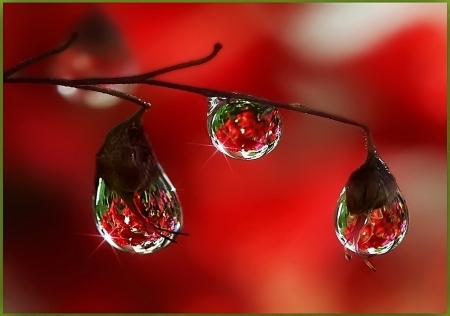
(242, 129)
(147, 223)
(371, 216)
(375, 233)
(136, 207)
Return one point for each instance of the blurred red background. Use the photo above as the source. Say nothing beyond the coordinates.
(261, 232)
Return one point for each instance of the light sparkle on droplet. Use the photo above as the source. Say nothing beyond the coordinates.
(160, 217)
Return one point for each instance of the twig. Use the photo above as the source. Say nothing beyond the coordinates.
(95, 81)
(293, 107)
(35, 59)
(146, 78)
(115, 93)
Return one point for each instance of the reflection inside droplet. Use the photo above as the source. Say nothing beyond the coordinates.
(375, 233)
(241, 129)
(150, 224)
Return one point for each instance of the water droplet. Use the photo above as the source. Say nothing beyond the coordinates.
(144, 224)
(371, 216)
(136, 207)
(375, 233)
(242, 129)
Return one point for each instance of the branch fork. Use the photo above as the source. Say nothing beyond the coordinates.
(93, 84)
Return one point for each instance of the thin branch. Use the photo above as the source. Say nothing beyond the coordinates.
(113, 80)
(293, 107)
(369, 141)
(35, 59)
(146, 78)
(115, 93)
(217, 48)
(207, 93)
(140, 78)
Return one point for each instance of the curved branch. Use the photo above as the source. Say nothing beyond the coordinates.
(114, 93)
(146, 78)
(293, 107)
(217, 48)
(113, 80)
(35, 59)
(207, 93)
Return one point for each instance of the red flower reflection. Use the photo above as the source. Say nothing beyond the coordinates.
(127, 228)
(383, 226)
(246, 132)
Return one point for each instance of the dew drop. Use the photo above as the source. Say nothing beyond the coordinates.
(371, 216)
(149, 223)
(242, 129)
(375, 233)
(136, 207)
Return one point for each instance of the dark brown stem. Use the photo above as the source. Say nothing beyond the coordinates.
(146, 78)
(293, 107)
(115, 93)
(113, 80)
(35, 59)
(217, 48)
(205, 92)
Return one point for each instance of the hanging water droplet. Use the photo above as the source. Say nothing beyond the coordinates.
(371, 216)
(242, 129)
(136, 207)
(150, 223)
(375, 233)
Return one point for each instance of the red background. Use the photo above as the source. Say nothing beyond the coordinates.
(261, 232)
